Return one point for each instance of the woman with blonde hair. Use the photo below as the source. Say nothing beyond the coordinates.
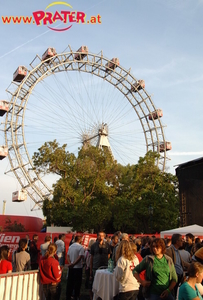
(50, 274)
(189, 290)
(126, 262)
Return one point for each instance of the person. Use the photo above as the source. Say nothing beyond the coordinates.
(123, 237)
(197, 245)
(114, 242)
(136, 248)
(146, 242)
(168, 242)
(44, 247)
(28, 243)
(88, 283)
(61, 249)
(190, 240)
(50, 274)
(161, 276)
(5, 265)
(188, 290)
(126, 261)
(198, 256)
(179, 263)
(100, 254)
(185, 255)
(34, 252)
(55, 239)
(21, 258)
(72, 240)
(75, 258)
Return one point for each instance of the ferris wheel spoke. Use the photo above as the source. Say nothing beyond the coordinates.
(77, 102)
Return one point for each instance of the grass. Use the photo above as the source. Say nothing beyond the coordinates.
(84, 293)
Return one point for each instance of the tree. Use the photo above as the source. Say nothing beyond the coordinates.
(94, 192)
(155, 196)
(86, 186)
(13, 227)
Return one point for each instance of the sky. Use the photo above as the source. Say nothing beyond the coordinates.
(160, 41)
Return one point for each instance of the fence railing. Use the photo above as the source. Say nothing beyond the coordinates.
(21, 286)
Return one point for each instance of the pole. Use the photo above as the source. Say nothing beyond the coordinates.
(4, 207)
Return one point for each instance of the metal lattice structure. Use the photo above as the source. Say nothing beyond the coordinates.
(94, 64)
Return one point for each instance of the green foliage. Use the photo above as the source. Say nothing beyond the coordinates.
(94, 192)
(13, 227)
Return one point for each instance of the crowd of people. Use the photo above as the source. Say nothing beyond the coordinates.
(145, 267)
(149, 267)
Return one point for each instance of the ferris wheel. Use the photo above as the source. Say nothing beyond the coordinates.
(78, 98)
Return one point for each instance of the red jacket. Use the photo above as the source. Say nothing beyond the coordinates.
(50, 271)
(142, 274)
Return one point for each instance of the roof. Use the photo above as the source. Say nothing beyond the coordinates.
(190, 163)
(194, 229)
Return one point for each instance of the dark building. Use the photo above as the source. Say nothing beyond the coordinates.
(190, 177)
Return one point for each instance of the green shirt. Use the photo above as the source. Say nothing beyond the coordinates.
(160, 276)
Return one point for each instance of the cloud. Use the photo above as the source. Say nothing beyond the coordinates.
(186, 153)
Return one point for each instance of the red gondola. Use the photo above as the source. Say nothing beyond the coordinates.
(19, 196)
(165, 146)
(139, 85)
(82, 52)
(112, 64)
(49, 53)
(3, 107)
(19, 74)
(3, 152)
(156, 114)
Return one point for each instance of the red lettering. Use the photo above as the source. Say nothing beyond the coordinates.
(38, 16)
(72, 17)
(99, 19)
(65, 13)
(93, 20)
(48, 18)
(27, 20)
(16, 20)
(80, 17)
(57, 16)
(6, 20)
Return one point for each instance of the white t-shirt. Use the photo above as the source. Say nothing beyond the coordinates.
(124, 274)
(74, 251)
(60, 248)
(44, 247)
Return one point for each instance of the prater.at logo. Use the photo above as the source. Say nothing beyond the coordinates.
(50, 16)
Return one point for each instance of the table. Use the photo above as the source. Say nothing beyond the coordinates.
(105, 285)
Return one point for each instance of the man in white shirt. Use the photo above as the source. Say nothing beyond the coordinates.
(44, 247)
(75, 257)
(61, 249)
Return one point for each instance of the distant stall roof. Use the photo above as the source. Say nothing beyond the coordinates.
(190, 163)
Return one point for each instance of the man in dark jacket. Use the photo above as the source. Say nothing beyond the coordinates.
(34, 253)
(100, 254)
(173, 252)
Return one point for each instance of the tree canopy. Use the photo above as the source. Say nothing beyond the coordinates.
(95, 192)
